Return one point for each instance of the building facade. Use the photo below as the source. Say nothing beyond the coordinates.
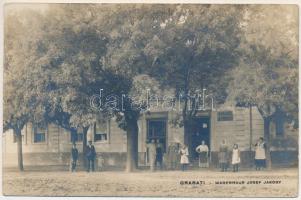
(51, 145)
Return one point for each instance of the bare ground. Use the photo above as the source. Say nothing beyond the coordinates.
(144, 183)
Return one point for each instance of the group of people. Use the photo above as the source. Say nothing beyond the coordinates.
(155, 149)
(155, 152)
(224, 156)
(90, 156)
(260, 155)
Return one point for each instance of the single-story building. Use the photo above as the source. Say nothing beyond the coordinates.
(52, 145)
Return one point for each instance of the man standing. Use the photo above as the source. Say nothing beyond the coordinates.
(172, 153)
(203, 151)
(223, 156)
(159, 154)
(74, 157)
(91, 154)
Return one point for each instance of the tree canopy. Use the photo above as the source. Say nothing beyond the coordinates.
(56, 61)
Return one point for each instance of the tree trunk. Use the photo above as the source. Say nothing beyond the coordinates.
(187, 136)
(267, 121)
(18, 135)
(73, 136)
(85, 131)
(132, 146)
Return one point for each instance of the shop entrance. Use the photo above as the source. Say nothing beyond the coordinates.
(200, 131)
(157, 131)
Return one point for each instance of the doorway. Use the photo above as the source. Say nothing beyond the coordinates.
(156, 130)
(200, 131)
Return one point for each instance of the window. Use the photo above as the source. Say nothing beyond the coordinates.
(225, 116)
(39, 135)
(78, 137)
(101, 131)
(156, 129)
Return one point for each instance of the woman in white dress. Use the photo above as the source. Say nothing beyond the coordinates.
(260, 157)
(203, 151)
(184, 157)
(235, 157)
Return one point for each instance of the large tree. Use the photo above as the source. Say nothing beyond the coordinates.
(18, 105)
(89, 66)
(191, 50)
(52, 68)
(68, 52)
(133, 26)
(267, 76)
(69, 64)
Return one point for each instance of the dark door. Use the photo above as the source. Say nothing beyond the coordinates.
(156, 130)
(200, 131)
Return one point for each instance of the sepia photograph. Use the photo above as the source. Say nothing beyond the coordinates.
(150, 100)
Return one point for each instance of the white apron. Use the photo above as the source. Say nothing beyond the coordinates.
(184, 156)
(235, 157)
(260, 152)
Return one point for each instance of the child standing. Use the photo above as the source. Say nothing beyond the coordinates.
(235, 157)
(184, 157)
(260, 157)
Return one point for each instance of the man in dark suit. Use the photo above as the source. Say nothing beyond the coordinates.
(159, 154)
(91, 154)
(74, 157)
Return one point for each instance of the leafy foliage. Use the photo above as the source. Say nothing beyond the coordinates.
(267, 74)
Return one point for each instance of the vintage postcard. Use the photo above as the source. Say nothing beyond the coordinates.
(150, 100)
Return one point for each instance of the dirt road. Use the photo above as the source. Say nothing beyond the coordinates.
(203, 183)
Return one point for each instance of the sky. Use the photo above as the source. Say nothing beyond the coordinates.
(10, 7)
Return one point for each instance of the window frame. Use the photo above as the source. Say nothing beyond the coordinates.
(108, 130)
(164, 120)
(34, 130)
(222, 119)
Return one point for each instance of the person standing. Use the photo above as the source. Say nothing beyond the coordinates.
(74, 157)
(172, 153)
(152, 154)
(223, 156)
(260, 157)
(203, 151)
(235, 157)
(91, 154)
(184, 157)
(159, 154)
